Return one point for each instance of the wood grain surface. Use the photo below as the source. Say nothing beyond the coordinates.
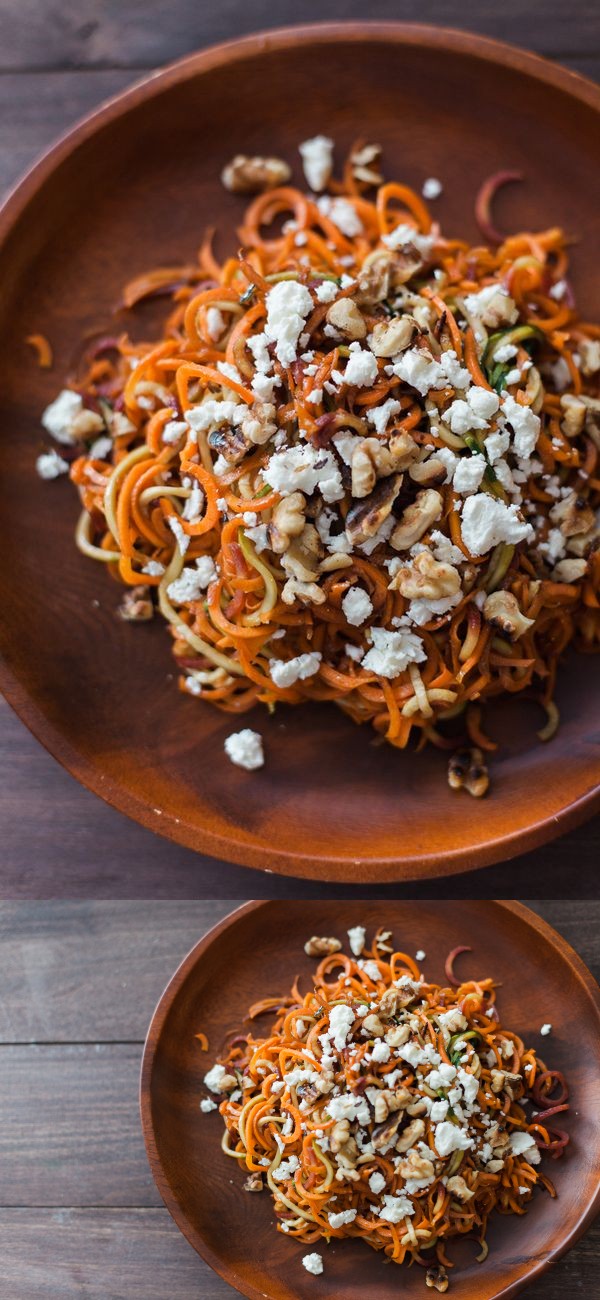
(79, 1213)
(57, 62)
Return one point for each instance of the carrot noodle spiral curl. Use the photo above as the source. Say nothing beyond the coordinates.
(251, 574)
(386, 1107)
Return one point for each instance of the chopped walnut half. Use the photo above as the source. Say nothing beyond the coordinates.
(231, 444)
(426, 579)
(589, 352)
(436, 1278)
(501, 609)
(345, 317)
(410, 1135)
(416, 1166)
(254, 1183)
(339, 1135)
(573, 515)
(388, 338)
(417, 519)
(459, 1188)
(383, 1134)
(365, 519)
(573, 418)
(373, 1025)
(289, 520)
(394, 1001)
(467, 771)
(259, 424)
(428, 473)
(363, 162)
(569, 570)
(317, 947)
(374, 281)
(252, 175)
(136, 605)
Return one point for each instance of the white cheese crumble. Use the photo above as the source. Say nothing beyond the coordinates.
(420, 370)
(361, 368)
(492, 305)
(181, 537)
(396, 1208)
(327, 291)
(215, 323)
(344, 1216)
(526, 426)
(154, 569)
(313, 1263)
(284, 672)
(380, 416)
(317, 161)
(405, 234)
(341, 1020)
(357, 936)
(449, 1138)
(522, 1144)
(192, 582)
(50, 465)
(377, 1182)
(174, 430)
(206, 1105)
(343, 215)
(420, 955)
(432, 188)
(288, 305)
(357, 606)
(468, 474)
(302, 469)
(211, 414)
(486, 521)
(392, 652)
(60, 415)
(245, 749)
(545, 1030)
(212, 1080)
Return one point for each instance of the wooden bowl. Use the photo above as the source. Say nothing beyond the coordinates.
(135, 185)
(256, 953)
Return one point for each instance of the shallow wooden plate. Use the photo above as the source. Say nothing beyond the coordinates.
(256, 953)
(135, 185)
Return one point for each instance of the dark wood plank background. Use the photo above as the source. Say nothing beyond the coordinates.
(79, 1213)
(57, 61)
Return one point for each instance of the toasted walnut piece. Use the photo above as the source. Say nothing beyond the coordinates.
(467, 770)
(252, 175)
(320, 947)
(383, 1134)
(339, 1135)
(426, 508)
(381, 1106)
(497, 1080)
(227, 1083)
(418, 1107)
(569, 570)
(436, 1278)
(459, 1188)
(501, 609)
(410, 1135)
(416, 1166)
(394, 1001)
(254, 1183)
(345, 317)
(373, 1025)
(136, 605)
(364, 467)
(339, 560)
(363, 163)
(120, 425)
(429, 473)
(592, 419)
(259, 424)
(365, 519)
(374, 281)
(589, 352)
(573, 415)
(426, 579)
(583, 543)
(573, 514)
(231, 444)
(288, 521)
(403, 450)
(506, 1081)
(392, 336)
(301, 560)
(308, 592)
(398, 1035)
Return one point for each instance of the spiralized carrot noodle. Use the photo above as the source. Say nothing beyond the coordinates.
(382, 1106)
(359, 465)
(42, 349)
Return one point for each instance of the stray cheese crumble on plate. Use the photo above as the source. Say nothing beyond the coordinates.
(359, 466)
(386, 1107)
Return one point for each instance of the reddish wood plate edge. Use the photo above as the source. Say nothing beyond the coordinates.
(151, 1045)
(343, 870)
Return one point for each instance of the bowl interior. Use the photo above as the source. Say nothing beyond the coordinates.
(256, 954)
(137, 188)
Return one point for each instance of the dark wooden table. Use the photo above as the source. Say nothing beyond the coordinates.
(57, 61)
(79, 1213)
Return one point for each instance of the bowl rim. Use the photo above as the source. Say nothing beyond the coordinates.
(152, 1047)
(231, 846)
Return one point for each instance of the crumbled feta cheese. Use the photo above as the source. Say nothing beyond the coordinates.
(545, 1030)
(354, 652)
(448, 1138)
(419, 370)
(284, 672)
(440, 1078)
(422, 611)
(101, 448)
(392, 652)
(344, 1216)
(181, 537)
(357, 606)
(154, 569)
(288, 305)
(438, 1112)
(505, 352)
(486, 521)
(59, 417)
(192, 582)
(215, 323)
(50, 465)
(381, 1052)
(357, 936)
(313, 1263)
(361, 367)
(420, 955)
(558, 290)
(327, 290)
(173, 430)
(522, 1144)
(302, 469)
(496, 444)
(285, 1169)
(245, 749)
(317, 161)
(492, 305)
(525, 423)
(341, 1019)
(343, 214)
(404, 234)
(345, 444)
(211, 414)
(432, 188)
(469, 473)
(206, 1105)
(396, 1208)
(379, 416)
(259, 536)
(444, 550)
(212, 1080)
(377, 1180)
